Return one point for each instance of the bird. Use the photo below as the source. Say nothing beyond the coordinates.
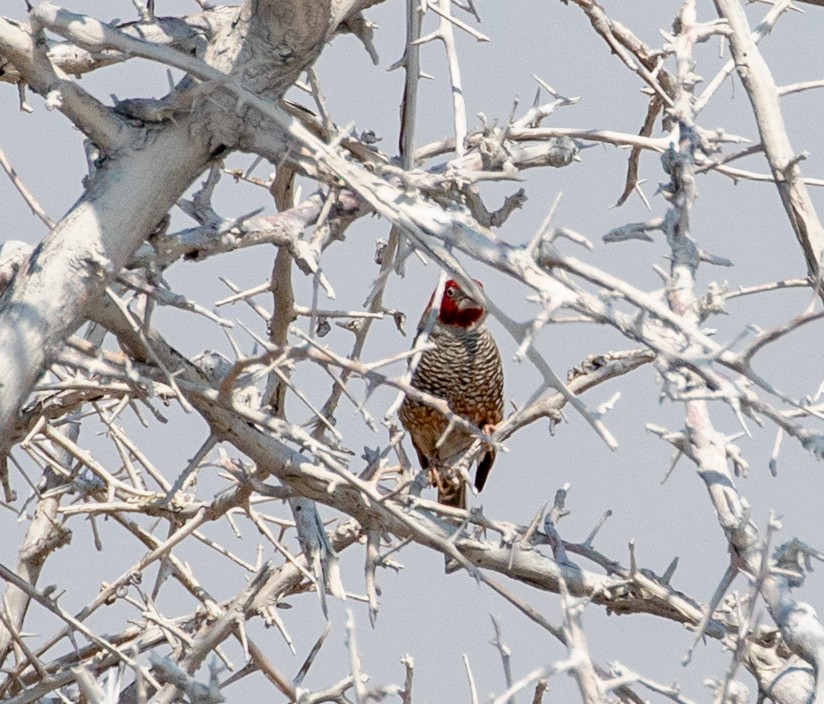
(464, 369)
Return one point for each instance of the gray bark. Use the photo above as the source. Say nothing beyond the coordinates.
(143, 171)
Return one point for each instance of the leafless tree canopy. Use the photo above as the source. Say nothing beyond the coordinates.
(84, 362)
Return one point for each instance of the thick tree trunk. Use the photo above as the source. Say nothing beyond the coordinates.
(80, 257)
(142, 172)
(141, 179)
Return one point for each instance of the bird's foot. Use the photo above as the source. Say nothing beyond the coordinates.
(443, 477)
(434, 475)
(446, 479)
(487, 430)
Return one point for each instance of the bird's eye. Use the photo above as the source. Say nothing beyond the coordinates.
(450, 292)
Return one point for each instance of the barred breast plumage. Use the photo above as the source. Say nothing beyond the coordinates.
(464, 368)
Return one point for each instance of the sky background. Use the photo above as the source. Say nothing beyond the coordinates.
(433, 617)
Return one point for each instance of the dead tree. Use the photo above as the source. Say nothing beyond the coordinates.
(81, 350)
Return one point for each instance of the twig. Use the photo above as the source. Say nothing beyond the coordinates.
(31, 201)
(473, 692)
(506, 656)
(354, 659)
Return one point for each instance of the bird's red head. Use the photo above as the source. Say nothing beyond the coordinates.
(458, 307)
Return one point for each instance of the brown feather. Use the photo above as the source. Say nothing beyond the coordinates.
(465, 370)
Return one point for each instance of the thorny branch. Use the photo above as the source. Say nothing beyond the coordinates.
(432, 199)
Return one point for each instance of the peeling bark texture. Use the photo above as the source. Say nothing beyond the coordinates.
(265, 50)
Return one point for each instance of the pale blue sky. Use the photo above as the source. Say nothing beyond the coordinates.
(433, 617)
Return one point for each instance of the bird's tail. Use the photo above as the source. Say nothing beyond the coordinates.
(484, 467)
